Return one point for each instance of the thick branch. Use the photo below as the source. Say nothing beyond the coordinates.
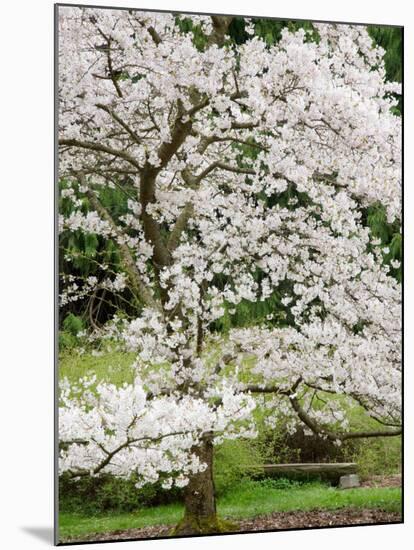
(179, 226)
(152, 231)
(252, 388)
(215, 139)
(235, 169)
(112, 74)
(220, 26)
(182, 129)
(244, 125)
(222, 166)
(335, 436)
(178, 135)
(91, 146)
(152, 32)
(312, 424)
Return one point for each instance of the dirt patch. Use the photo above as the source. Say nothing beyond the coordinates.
(318, 518)
(382, 481)
(271, 522)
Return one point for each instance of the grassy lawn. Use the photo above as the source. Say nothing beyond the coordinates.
(248, 499)
(115, 367)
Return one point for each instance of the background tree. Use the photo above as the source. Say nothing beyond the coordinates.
(247, 167)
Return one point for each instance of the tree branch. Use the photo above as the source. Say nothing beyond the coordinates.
(179, 226)
(91, 146)
(243, 125)
(109, 455)
(117, 119)
(152, 232)
(178, 135)
(220, 24)
(335, 436)
(312, 424)
(222, 166)
(140, 288)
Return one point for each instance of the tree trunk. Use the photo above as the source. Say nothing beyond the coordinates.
(200, 516)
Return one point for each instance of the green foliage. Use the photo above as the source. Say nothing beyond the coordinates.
(186, 25)
(73, 324)
(276, 446)
(280, 483)
(68, 337)
(269, 311)
(235, 460)
(396, 247)
(389, 234)
(391, 40)
(270, 30)
(377, 457)
(377, 221)
(67, 341)
(97, 495)
(81, 255)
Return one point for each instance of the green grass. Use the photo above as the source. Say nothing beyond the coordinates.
(247, 499)
(115, 367)
(76, 525)
(253, 498)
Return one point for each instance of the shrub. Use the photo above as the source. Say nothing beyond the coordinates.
(94, 495)
(280, 483)
(73, 324)
(66, 340)
(380, 456)
(235, 460)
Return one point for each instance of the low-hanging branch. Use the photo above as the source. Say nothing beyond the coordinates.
(99, 147)
(311, 422)
(130, 442)
(335, 436)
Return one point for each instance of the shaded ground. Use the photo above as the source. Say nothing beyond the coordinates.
(275, 521)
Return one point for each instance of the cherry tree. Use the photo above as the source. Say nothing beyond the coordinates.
(205, 139)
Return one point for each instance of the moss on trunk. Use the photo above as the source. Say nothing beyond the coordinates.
(195, 525)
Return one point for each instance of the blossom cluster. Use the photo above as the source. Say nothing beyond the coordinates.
(121, 430)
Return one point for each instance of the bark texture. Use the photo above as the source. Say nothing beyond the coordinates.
(200, 516)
